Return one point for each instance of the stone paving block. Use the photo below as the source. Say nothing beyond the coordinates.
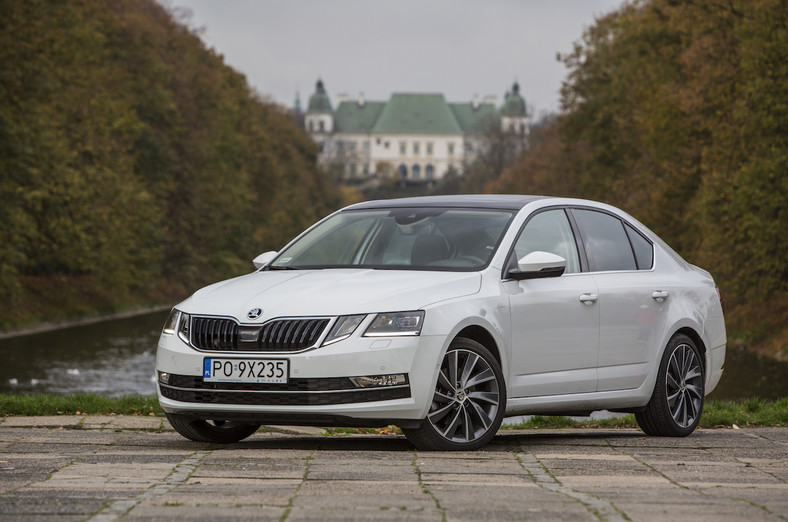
(589, 482)
(382, 457)
(231, 494)
(509, 466)
(150, 471)
(393, 496)
(265, 468)
(131, 458)
(121, 422)
(355, 471)
(53, 448)
(92, 437)
(300, 514)
(53, 421)
(12, 506)
(476, 478)
(515, 494)
(721, 510)
(42, 518)
(548, 512)
(246, 452)
(150, 512)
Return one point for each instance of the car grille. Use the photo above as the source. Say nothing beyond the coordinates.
(280, 335)
(297, 392)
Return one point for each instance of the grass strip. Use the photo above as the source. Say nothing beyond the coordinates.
(716, 414)
(78, 404)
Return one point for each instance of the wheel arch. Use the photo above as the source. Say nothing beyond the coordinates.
(482, 336)
(698, 340)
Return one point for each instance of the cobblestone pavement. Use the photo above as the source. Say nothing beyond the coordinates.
(136, 468)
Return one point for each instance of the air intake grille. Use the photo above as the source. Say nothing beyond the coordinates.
(281, 335)
(214, 334)
(291, 334)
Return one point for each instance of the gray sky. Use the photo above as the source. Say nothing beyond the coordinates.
(455, 47)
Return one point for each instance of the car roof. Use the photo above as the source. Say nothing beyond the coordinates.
(487, 201)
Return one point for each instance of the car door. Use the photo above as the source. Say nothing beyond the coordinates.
(632, 300)
(554, 321)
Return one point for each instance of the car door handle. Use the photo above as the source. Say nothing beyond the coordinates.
(659, 295)
(588, 299)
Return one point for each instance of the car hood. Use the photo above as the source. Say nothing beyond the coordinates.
(329, 292)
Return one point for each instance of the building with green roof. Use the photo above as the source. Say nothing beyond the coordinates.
(420, 136)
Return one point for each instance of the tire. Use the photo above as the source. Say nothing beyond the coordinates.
(677, 402)
(216, 431)
(468, 403)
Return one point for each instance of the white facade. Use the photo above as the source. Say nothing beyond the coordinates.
(417, 137)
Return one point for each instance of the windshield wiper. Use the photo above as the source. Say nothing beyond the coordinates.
(282, 268)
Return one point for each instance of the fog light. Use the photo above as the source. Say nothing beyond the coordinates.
(377, 381)
(164, 377)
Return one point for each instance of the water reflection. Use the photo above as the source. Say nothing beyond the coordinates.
(117, 357)
(748, 375)
(111, 358)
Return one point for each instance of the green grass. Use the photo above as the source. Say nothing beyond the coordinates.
(716, 414)
(83, 403)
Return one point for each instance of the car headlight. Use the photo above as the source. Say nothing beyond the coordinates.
(183, 328)
(391, 324)
(171, 323)
(343, 328)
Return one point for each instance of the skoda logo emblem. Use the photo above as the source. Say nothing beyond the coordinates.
(254, 313)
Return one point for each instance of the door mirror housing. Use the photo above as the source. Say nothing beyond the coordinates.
(263, 259)
(537, 265)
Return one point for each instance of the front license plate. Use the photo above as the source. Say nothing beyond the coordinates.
(245, 370)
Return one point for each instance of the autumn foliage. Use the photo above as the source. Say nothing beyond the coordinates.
(134, 164)
(677, 112)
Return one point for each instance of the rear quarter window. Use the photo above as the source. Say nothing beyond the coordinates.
(605, 240)
(644, 250)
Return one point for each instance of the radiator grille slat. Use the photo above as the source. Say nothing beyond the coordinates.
(279, 335)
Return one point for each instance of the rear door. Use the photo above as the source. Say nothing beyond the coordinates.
(633, 298)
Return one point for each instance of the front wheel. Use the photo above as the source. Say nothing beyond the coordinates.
(216, 431)
(468, 403)
(677, 402)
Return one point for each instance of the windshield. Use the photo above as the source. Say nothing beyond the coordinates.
(403, 238)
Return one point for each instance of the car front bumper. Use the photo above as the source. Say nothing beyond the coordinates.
(319, 389)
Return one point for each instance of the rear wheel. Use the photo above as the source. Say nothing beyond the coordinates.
(468, 403)
(677, 402)
(217, 431)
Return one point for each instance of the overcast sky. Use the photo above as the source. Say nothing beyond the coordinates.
(455, 47)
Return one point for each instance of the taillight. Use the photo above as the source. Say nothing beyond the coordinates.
(719, 294)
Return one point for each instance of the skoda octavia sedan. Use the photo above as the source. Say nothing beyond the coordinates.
(443, 315)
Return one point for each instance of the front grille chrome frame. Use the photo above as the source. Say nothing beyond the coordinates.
(229, 336)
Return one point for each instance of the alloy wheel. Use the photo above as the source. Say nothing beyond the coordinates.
(467, 397)
(684, 386)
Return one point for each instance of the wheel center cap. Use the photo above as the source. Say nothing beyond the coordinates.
(461, 395)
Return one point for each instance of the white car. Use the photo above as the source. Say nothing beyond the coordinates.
(443, 315)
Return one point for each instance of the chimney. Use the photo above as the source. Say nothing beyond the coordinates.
(489, 99)
(342, 97)
(361, 101)
(475, 102)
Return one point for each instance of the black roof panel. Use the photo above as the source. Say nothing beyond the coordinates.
(508, 202)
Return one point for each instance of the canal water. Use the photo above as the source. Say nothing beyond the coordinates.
(117, 357)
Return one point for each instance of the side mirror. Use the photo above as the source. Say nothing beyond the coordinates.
(263, 259)
(537, 265)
